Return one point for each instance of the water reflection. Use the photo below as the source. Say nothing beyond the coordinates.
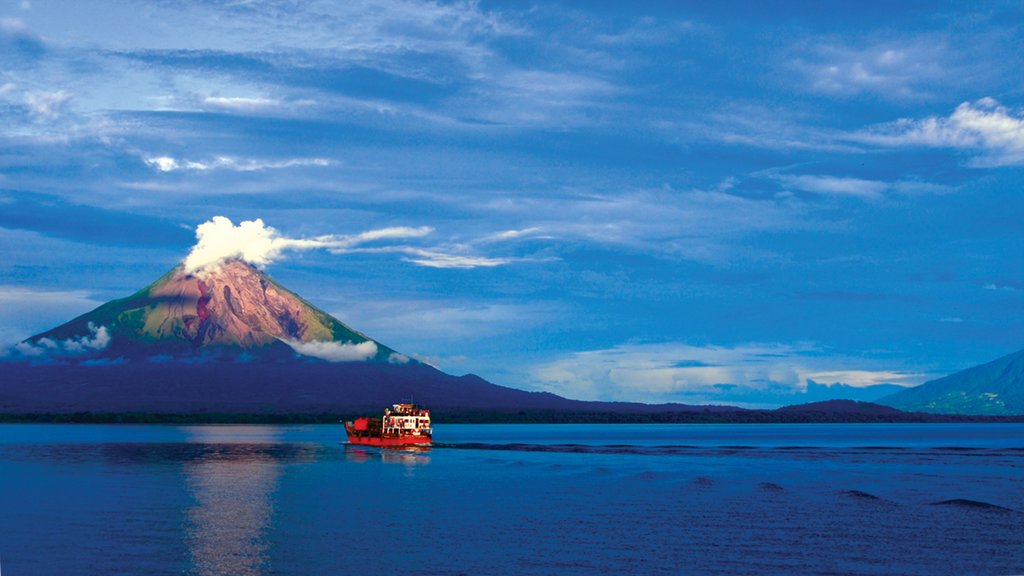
(232, 481)
(409, 456)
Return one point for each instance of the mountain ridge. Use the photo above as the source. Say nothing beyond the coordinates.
(992, 388)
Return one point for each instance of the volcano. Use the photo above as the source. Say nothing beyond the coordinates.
(994, 388)
(229, 339)
(231, 311)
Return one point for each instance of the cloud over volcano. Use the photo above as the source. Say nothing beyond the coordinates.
(252, 241)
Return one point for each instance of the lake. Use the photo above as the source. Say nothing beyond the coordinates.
(514, 499)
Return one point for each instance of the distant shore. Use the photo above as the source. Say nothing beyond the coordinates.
(519, 417)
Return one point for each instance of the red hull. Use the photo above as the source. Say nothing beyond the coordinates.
(384, 441)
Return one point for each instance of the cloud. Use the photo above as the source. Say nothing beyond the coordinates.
(863, 378)
(857, 187)
(170, 164)
(435, 259)
(25, 311)
(47, 105)
(242, 103)
(219, 239)
(252, 241)
(994, 133)
(98, 339)
(336, 351)
(696, 225)
(699, 374)
(396, 358)
(835, 186)
(886, 69)
(531, 232)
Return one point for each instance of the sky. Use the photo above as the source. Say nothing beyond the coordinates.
(697, 202)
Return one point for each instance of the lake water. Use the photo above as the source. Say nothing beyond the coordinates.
(514, 499)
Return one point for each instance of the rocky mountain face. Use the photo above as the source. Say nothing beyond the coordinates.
(995, 388)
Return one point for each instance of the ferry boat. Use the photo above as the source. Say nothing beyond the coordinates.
(401, 425)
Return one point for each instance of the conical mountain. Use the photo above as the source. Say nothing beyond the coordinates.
(226, 311)
(995, 388)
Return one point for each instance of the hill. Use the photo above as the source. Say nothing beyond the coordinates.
(995, 388)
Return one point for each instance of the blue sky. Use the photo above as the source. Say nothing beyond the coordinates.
(695, 202)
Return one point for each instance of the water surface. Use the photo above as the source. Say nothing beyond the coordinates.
(515, 499)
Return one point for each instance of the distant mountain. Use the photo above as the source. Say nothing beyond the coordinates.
(995, 388)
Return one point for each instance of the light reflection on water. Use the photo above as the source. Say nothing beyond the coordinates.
(232, 485)
(411, 456)
(233, 478)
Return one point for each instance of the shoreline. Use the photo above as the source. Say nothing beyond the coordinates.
(514, 417)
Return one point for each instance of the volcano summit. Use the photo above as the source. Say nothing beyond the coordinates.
(227, 339)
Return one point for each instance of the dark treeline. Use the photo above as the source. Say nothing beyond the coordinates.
(476, 416)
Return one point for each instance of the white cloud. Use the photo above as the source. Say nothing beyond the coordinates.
(219, 239)
(993, 132)
(835, 186)
(242, 103)
(506, 235)
(170, 164)
(435, 259)
(47, 104)
(252, 241)
(98, 339)
(669, 371)
(863, 378)
(336, 351)
(888, 70)
(857, 187)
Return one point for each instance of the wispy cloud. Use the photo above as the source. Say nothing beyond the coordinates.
(47, 104)
(890, 70)
(244, 103)
(670, 371)
(171, 164)
(835, 186)
(699, 225)
(219, 239)
(845, 186)
(991, 132)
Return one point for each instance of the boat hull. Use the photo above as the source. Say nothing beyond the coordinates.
(363, 439)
